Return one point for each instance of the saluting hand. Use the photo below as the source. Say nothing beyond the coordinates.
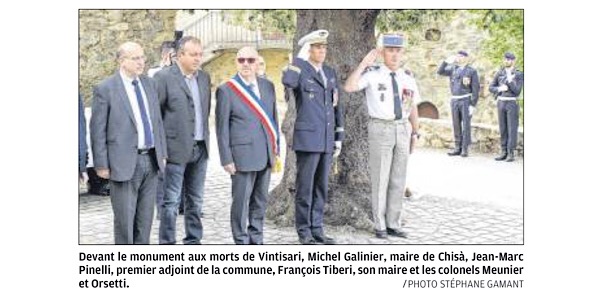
(370, 58)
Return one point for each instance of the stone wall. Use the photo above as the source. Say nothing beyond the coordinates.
(102, 31)
(426, 52)
(484, 138)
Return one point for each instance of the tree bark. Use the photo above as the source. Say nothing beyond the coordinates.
(351, 37)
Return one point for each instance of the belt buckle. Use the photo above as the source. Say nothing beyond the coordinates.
(144, 151)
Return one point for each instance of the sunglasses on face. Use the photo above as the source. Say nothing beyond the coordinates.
(242, 60)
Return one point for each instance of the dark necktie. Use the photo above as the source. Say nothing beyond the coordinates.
(148, 142)
(397, 103)
(320, 72)
(251, 87)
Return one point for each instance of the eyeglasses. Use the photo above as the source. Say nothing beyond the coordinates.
(137, 58)
(242, 60)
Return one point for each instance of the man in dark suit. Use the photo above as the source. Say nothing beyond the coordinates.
(128, 144)
(184, 96)
(318, 132)
(83, 177)
(247, 131)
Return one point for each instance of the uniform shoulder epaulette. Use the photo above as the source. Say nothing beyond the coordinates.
(292, 68)
(370, 69)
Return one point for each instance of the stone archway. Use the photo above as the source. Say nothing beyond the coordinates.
(428, 110)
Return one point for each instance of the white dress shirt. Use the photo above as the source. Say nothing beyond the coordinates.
(380, 94)
(130, 89)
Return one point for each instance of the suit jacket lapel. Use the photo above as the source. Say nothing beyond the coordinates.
(203, 94)
(316, 75)
(178, 74)
(123, 95)
(265, 96)
(150, 98)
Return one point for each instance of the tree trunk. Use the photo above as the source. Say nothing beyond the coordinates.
(351, 37)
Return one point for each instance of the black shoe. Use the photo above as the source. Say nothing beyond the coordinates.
(455, 152)
(464, 153)
(307, 241)
(511, 156)
(396, 233)
(381, 234)
(323, 239)
(502, 156)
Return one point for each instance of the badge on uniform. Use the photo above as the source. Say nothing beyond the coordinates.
(407, 98)
(381, 87)
(407, 94)
(466, 81)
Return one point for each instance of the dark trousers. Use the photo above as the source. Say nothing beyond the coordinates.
(311, 191)
(461, 122)
(508, 119)
(249, 191)
(133, 202)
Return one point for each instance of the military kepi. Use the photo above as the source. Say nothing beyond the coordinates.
(463, 53)
(393, 40)
(509, 55)
(315, 37)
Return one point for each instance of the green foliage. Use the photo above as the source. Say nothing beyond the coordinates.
(388, 20)
(410, 19)
(268, 20)
(505, 29)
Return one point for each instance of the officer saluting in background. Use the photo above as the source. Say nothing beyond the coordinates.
(318, 132)
(464, 86)
(507, 86)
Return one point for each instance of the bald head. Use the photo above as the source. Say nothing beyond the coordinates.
(247, 51)
(131, 59)
(126, 48)
(246, 62)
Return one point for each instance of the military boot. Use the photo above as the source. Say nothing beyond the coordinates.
(465, 152)
(502, 156)
(511, 156)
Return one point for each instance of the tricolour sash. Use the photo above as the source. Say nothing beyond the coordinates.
(248, 97)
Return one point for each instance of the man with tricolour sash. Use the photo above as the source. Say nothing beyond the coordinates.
(248, 137)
